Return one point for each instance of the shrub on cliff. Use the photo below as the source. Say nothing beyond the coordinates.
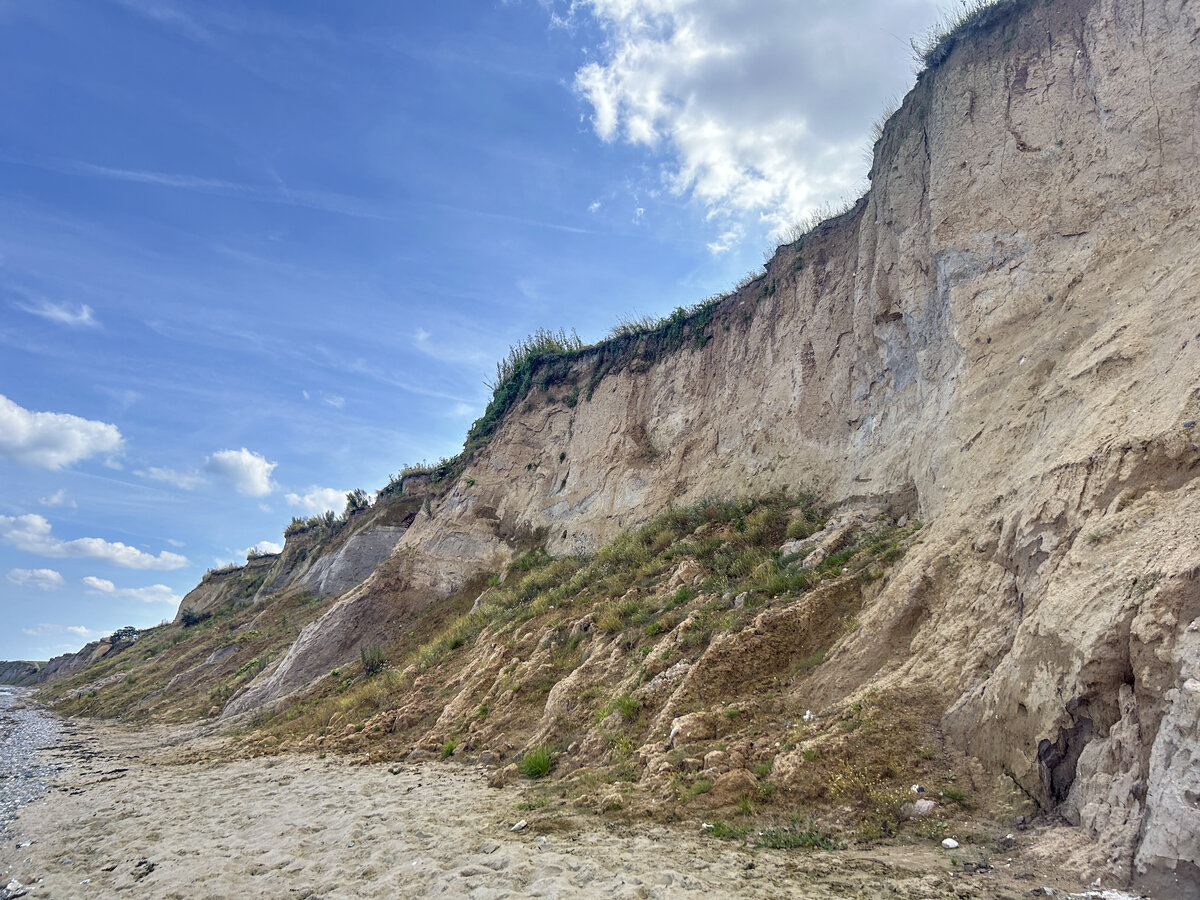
(189, 617)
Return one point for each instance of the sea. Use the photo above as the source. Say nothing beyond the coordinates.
(25, 728)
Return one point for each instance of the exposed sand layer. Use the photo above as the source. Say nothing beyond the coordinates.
(164, 813)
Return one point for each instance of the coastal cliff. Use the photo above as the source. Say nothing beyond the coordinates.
(1001, 340)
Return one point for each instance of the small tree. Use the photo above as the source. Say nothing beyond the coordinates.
(126, 635)
(355, 500)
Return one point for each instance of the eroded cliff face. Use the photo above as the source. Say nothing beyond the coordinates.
(1002, 337)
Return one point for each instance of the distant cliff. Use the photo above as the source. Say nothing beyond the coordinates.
(19, 672)
(1002, 339)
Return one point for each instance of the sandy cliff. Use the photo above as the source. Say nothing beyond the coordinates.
(1002, 338)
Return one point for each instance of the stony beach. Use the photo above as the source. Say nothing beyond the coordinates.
(167, 813)
(24, 730)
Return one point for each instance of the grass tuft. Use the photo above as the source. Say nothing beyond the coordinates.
(537, 763)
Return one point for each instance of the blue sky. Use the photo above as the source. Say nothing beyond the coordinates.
(254, 255)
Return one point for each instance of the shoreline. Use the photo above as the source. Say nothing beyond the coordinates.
(165, 813)
(26, 729)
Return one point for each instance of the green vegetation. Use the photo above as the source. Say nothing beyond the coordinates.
(189, 617)
(128, 681)
(374, 660)
(537, 763)
(796, 836)
(933, 48)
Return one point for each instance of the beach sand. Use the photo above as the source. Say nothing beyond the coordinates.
(166, 813)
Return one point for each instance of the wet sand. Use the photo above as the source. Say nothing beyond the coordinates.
(163, 813)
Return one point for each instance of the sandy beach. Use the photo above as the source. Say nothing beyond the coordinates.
(165, 813)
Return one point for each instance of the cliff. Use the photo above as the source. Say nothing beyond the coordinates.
(1002, 339)
(19, 672)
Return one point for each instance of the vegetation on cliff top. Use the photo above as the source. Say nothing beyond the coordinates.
(972, 16)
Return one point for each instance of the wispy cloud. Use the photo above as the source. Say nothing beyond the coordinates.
(49, 630)
(42, 579)
(164, 179)
(453, 351)
(59, 498)
(155, 593)
(187, 481)
(32, 533)
(52, 440)
(73, 317)
(170, 15)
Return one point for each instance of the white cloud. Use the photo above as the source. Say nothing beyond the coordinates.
(155, 593)
(60, 313)
(42, 579)
(31, 533)
(757, 111)
(59, 498)
(83, 632)
(317, 500)
(263, 548)
(187, 481)
(727, 241)
(44, 629)
(454, 350)
(334, 400)
(248, 472)
(52, 440)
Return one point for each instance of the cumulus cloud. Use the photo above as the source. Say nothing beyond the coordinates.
(60, 313)
(155, 593)
(248, 472)
(760, 111)
(42, 579)
(187, 481)
(52, 440)
(317, 500)
(31, 533)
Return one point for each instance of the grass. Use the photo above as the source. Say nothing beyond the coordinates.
(725, 832)
(537, 763)
(627, 707)
(796, 836)
(934, 47)
(374, 660)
